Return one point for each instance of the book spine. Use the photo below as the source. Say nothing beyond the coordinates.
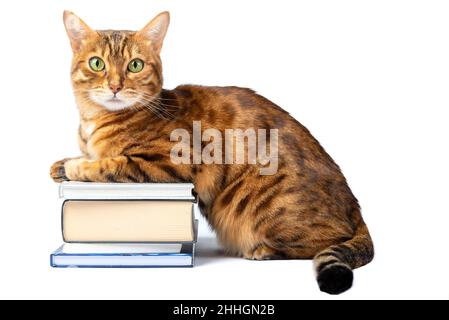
(62, 220)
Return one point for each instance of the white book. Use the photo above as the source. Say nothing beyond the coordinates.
(72, 190)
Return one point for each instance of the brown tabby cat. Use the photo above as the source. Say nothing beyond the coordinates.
(305, 210)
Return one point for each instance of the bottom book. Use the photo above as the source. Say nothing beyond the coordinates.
(86, 255)
(126, 255)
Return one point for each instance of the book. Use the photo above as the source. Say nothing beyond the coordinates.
(127, 212)
(126, 225)
(123, 255)
(127, 221)
(73, 190)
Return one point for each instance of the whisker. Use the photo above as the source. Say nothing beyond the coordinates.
(153, 110)
(160, 104)
(156, 105)
(156, 100)
(162, 110)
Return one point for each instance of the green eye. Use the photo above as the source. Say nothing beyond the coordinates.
(96, 64)
(135, 65)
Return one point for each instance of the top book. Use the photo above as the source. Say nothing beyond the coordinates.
(71, 190)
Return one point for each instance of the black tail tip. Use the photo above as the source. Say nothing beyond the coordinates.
(335, 279)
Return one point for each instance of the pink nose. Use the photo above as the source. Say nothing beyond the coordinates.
(115, 88)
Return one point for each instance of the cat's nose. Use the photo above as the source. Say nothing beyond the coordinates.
(115, 88)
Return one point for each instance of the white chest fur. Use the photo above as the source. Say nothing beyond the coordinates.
(87, 129)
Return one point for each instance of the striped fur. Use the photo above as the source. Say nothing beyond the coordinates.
(305, 211)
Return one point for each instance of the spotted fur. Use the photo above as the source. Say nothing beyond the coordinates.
(305, 211)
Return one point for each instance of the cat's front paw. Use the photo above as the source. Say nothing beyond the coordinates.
(57, 171)
(73, 169)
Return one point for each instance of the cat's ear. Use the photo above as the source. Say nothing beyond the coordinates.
(154, 32)
(77, 30)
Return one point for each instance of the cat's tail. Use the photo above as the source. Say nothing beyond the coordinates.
(334, 264)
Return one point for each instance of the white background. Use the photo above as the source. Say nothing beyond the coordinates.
(370, 79)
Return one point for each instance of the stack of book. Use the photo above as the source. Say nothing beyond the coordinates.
(127, 225)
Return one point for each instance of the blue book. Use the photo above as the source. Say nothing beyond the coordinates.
(138, 255)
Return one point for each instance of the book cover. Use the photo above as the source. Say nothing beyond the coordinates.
(74, 190)
(123, 255)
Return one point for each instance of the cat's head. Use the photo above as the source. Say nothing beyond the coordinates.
(116, 69)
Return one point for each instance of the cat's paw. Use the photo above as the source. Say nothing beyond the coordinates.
(57, 171)
(262, 252)
(73, 168)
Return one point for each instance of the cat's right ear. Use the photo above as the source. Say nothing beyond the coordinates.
(77, 30)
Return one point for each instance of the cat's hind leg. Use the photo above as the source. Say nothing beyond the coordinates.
(263, 252)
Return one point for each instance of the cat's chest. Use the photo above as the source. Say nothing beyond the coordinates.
(98, 141)
(87, 130)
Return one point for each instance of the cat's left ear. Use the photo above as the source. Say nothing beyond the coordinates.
(77, 30)
(154, 32)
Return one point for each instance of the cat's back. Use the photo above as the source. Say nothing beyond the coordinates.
(243, 108)
(234, 106)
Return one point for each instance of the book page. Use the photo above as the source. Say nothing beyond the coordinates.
(101, 248)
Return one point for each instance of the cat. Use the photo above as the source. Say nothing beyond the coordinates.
(304, 211)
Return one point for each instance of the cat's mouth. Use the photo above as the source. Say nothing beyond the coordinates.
(113, 102)
(115, 99)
